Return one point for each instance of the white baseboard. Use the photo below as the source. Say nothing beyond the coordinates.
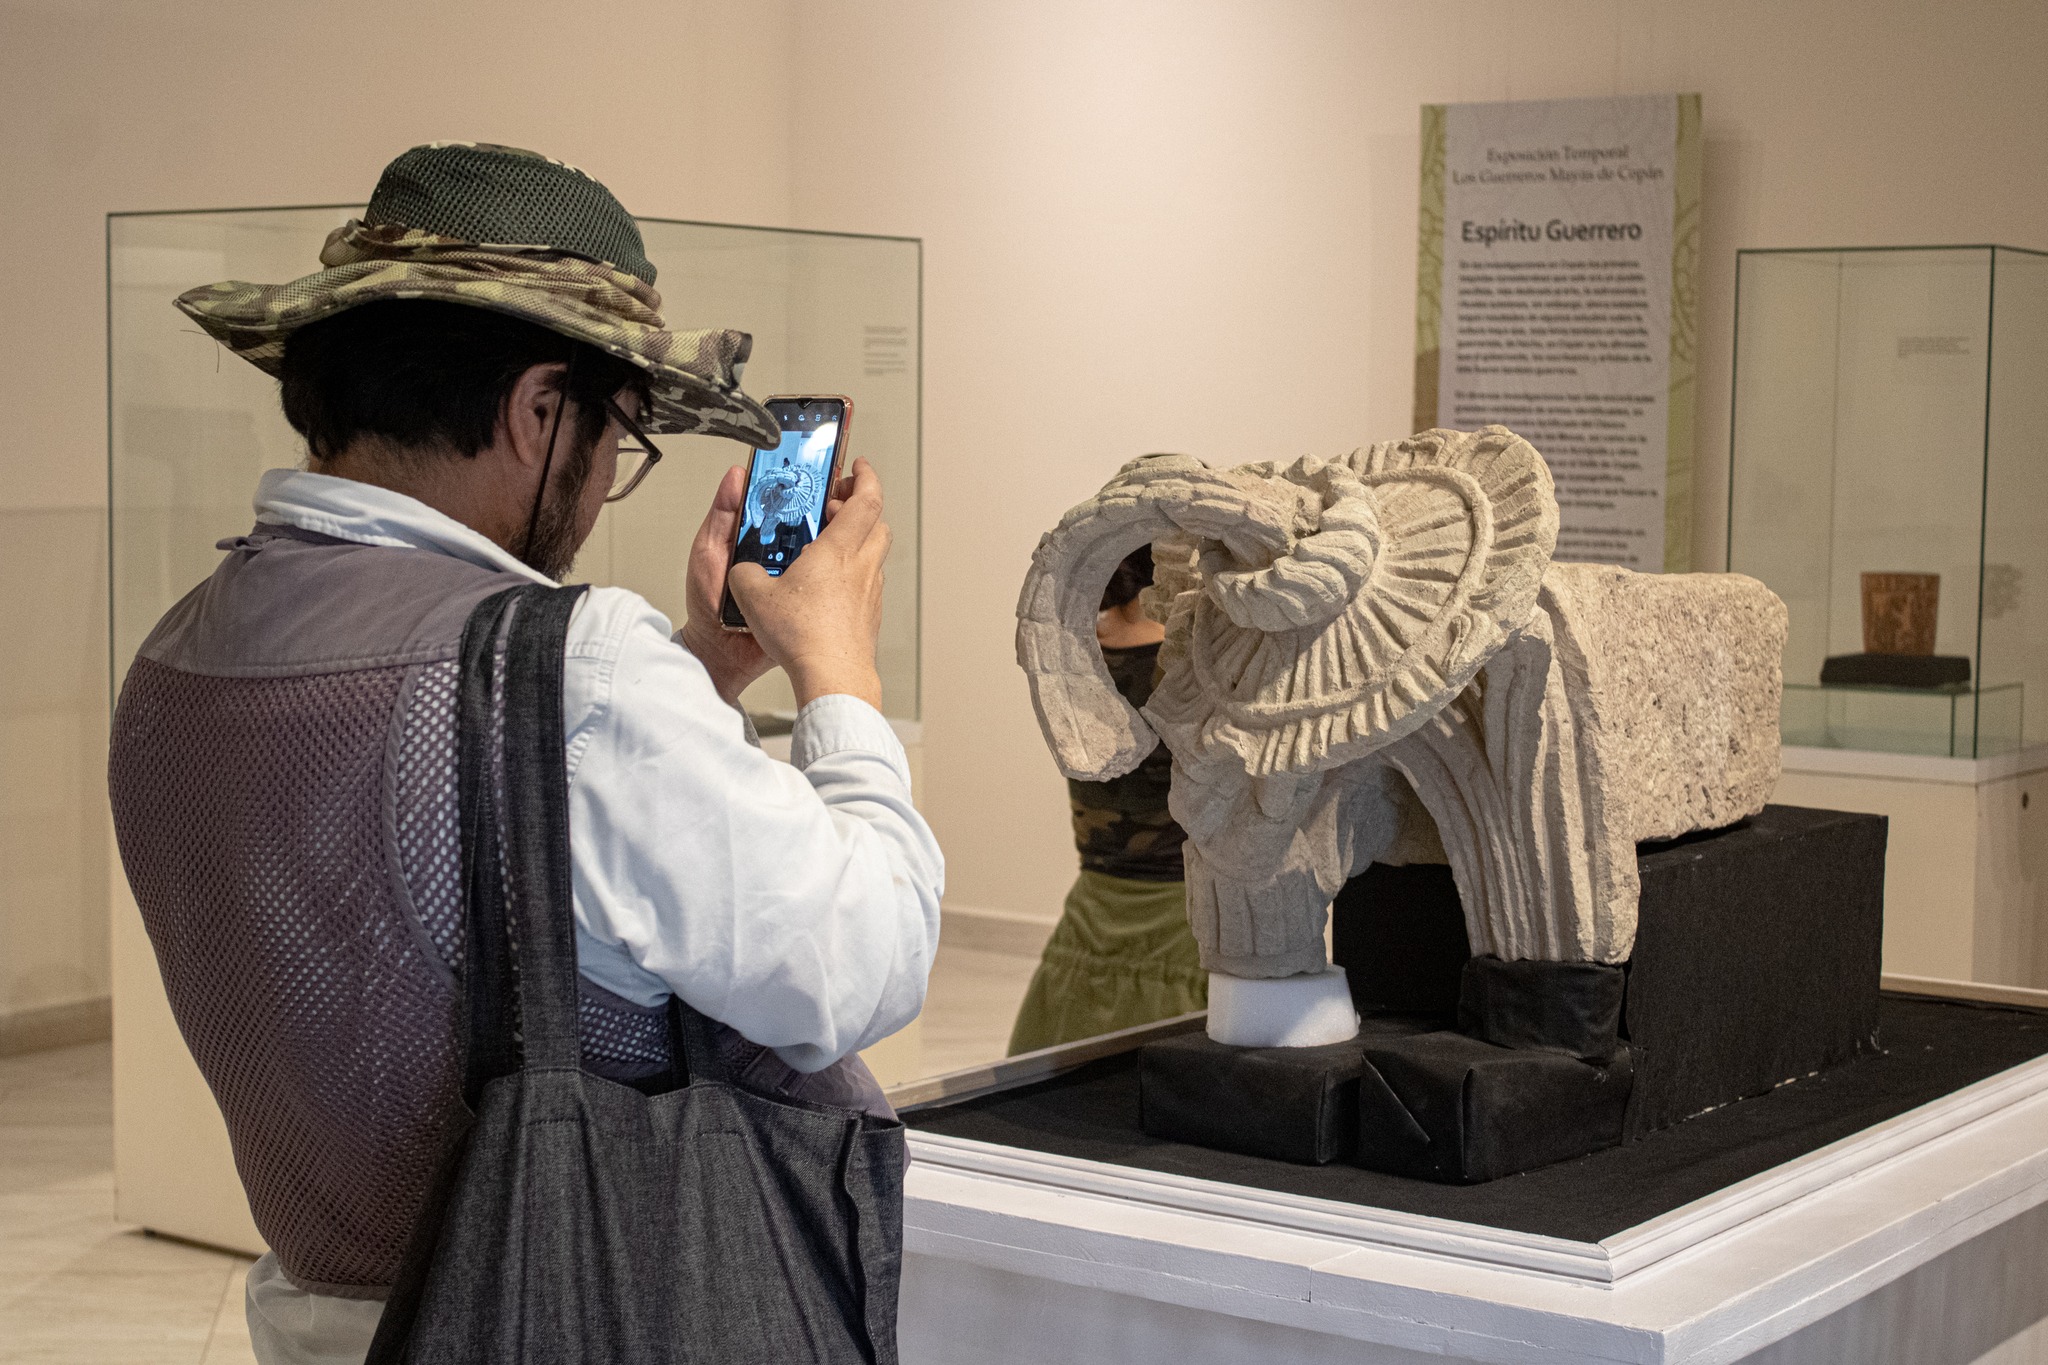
(994, 931)
(83, 1021)
(1983, 992)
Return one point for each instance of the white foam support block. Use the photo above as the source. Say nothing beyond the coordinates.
(1288, 1011)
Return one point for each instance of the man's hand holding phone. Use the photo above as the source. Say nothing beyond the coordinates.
(819, 620)
(821, 617)
(732, 658)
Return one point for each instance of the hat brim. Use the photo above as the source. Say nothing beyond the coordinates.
(693, 376)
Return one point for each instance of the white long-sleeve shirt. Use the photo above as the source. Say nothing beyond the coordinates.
(796, 902)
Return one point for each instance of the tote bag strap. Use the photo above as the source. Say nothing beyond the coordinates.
(520, 964)
(521, 970)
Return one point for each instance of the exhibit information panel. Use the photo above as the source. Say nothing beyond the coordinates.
(1558, 242)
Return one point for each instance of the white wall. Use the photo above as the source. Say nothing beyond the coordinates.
(1149, 225)
(1189, 225)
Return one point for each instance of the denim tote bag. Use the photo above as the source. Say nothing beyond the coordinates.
(584, 1220)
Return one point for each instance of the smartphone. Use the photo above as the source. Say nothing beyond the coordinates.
(784, 506)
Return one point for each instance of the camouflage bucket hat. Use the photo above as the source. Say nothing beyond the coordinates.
(517, 233)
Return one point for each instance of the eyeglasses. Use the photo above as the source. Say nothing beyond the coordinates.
(636, 456)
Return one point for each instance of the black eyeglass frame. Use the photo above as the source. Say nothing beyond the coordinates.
(646, 444)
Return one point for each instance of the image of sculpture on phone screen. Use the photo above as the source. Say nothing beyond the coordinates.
(785, 504)
(787, 488)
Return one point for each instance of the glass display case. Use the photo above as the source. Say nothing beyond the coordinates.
(191, 427)
(1888, 480)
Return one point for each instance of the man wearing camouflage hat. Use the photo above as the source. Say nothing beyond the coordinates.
(476, 371)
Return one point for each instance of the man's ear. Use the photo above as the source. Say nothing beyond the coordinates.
(532, 407)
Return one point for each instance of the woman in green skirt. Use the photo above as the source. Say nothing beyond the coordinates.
(1121, 954)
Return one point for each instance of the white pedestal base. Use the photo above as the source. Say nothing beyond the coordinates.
(1965, 892)
(1920, 1241)
(1289, 1011)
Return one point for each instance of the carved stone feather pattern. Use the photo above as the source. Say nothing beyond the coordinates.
(1374, 659)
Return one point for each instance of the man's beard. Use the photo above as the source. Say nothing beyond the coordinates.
(551, 549)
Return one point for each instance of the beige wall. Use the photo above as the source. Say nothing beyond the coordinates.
(1149, 225)
(683, 108)
(1190, 226)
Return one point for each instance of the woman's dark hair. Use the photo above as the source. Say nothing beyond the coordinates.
(1132, 577)
(421, 373)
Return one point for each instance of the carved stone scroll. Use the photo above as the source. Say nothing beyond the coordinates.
(1373, 659)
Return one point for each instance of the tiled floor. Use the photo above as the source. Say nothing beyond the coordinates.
(970, 1006)
(79, 1288)
(75, 1286)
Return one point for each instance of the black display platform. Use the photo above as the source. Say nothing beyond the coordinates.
(1756, 955)
(1931, 1048)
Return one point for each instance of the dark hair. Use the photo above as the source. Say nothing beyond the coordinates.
(422, 373)
(1132, 577)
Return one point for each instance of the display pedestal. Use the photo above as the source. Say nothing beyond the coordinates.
(1966, 886)
(1922, 1238)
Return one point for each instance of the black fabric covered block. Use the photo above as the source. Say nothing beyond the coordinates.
(1895, 670)
(1756, 955)
(1287, 1103)
(1399, 935)
(1442, 1106)
(1756, 959)
(1568, 1007)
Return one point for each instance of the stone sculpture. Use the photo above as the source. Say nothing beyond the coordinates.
(1373, 659)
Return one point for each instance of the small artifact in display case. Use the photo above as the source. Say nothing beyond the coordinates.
(1900, 612)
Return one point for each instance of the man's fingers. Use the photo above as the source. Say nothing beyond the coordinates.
(721, 521)
(745, 580)
(859, 511)
(732, 490)
(877, 547)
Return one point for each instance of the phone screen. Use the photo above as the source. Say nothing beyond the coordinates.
(787, 488)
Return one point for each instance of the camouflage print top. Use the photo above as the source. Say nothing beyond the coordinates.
(1121, 826)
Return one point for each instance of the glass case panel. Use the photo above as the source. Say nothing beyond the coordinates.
(191, 427)
(1883, 404)
(1903, 720)
(2015, 588)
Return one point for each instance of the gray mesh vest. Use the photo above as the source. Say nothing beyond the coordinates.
(283, 780)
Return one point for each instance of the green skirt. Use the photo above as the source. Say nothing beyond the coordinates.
(1121, 956)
